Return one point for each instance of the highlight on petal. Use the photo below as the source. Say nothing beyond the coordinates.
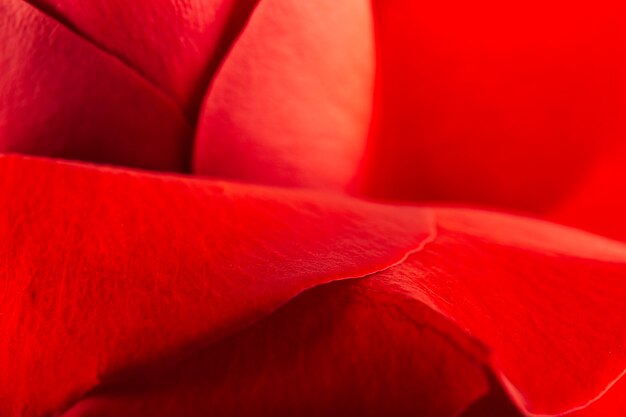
(176, 44)
(497, 316)
(291, 104)
(496, 103)
(62, 96)
(111, 273)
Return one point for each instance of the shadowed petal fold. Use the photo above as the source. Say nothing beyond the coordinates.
(175, 44)
(109, 272)
(498, 315)
(61, 96)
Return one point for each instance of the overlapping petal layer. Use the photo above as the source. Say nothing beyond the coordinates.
(107, 272)
(61, 96)
(547, 301)
(164, 301)
(292, 103)
(540, 307)
(340, 349)
(501, 104)
(175, 44)
(130, 294)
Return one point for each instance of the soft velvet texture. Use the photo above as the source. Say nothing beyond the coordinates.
(62, 96)
(175, 45)
(522, 108)
(87, 81)
(168, 306)
(130, 269)
(292, 103)
(127, 293)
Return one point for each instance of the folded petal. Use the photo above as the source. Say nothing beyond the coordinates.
(63, 96)
(546, 301)
(496, 103)
(106, 272)
(498, 316)
(175, 44)
(337, 350)
(291, 104)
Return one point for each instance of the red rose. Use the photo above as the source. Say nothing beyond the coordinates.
(129, 293)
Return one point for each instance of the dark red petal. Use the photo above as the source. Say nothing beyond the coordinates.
(338, 350)
(107, 272)
(495, 102)
(494, 404)
(62, 96)
(173, 43)
(292, 103)
(610, 402)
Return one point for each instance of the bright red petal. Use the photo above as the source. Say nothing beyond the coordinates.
(497, 103)
(106, 272)
(610, 402)
(548, 303)
(62, 96)
(292, 103)
(598, 204)
(539, 306)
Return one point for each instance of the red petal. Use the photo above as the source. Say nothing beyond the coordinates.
(548, 302)
(495, 404)
(610, 402)
(110, 271)
(338, 350)
(62, 96)
(292, 103)
(496, 102)
(176, 44)
(538, 305)
(598, 203)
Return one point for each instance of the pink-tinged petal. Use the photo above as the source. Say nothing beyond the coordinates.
(109, 272)
(176, 44)
(338, 350)
(62, 96)
(496, 103)
(292, 103)
(546, 301)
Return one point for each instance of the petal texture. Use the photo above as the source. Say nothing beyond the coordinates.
(62, 96)
(106, 273)
(175, 44)
(338, 350)
(291, 105)
(498, 316)
(546, 301)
